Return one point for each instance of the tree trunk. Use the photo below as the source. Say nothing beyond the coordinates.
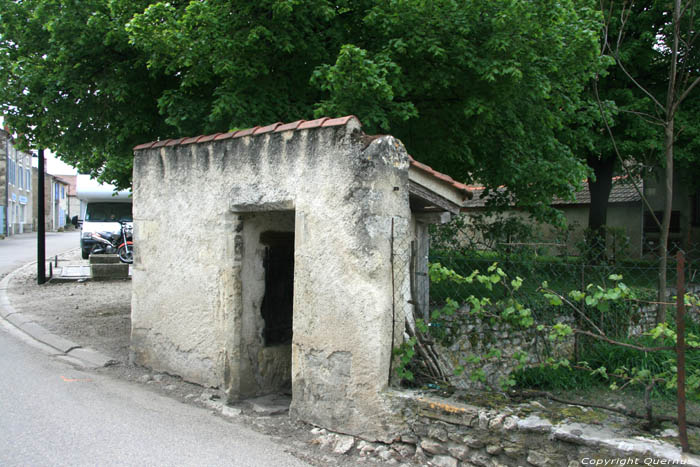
(666, 222)
(598, 210)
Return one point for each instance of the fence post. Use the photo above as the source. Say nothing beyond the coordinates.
(680, 349)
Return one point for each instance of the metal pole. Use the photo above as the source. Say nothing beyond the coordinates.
(680, 351)
(41, 232)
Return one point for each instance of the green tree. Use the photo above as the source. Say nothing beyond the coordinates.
(71, 82)
(484, 90)
(669, 30)
(614, 109)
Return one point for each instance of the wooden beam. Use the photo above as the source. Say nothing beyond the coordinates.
(432, 197)
(433, 217)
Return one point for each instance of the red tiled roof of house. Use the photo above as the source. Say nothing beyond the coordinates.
(293, 126)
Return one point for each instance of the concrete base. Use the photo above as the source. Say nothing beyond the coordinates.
(104, 267)
(105, 259)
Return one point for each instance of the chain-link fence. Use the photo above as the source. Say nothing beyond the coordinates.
(444, 304)
(564, 267)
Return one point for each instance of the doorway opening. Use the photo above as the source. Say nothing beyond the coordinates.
(278, 300)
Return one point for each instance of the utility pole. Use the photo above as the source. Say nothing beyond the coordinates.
(41, 232)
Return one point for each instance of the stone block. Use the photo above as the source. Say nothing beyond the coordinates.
(537, 458)
(102, 271)
(494, 449)
(437, 432)
(104, 259)
(433, 447)
(443, 461)
(459, 452)
(473, 442)
(405, 450)
(343, 444)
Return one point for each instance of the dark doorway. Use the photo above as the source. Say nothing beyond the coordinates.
(278, 300)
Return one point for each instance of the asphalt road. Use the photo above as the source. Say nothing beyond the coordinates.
(52, 414)
(18, 250)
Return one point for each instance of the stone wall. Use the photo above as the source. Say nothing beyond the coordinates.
(448, 433)
(478, 337)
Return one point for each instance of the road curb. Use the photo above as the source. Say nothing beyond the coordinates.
(86, 357)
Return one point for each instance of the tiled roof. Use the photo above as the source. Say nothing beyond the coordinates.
(622, 191)
(279, 127)
(258, 130)
(441, 176)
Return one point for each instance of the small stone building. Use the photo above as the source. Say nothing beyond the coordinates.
(277, 258)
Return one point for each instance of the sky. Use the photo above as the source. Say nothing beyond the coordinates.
(55, 166)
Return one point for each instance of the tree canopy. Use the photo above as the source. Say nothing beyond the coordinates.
(485, 90)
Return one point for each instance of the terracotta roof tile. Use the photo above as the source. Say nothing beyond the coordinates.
(278, 127)
(313, 123)
(228, 135)
(175, 142)
(441, 176)
(267, 129)
(144, 146)
(190, 140)
(289, 126)
(248, 132)
(160, 144)
(338, 121)
(207, 138)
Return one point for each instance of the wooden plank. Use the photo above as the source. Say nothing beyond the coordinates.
(433, 198)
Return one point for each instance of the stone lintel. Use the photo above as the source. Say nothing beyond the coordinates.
(286, 205)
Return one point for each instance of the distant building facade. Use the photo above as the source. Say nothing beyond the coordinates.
(16, 187)
(72, 200)
(59, 202)
(56, 201)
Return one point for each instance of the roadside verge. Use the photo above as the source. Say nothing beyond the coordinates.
(73, 353)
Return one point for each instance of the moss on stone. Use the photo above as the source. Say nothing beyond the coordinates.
(490, 400)
(578, 414)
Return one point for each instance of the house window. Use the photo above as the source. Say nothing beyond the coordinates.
(29, 179)
(650, 225)
(63, 192)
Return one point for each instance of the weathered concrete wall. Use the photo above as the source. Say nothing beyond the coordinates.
(192, 208)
